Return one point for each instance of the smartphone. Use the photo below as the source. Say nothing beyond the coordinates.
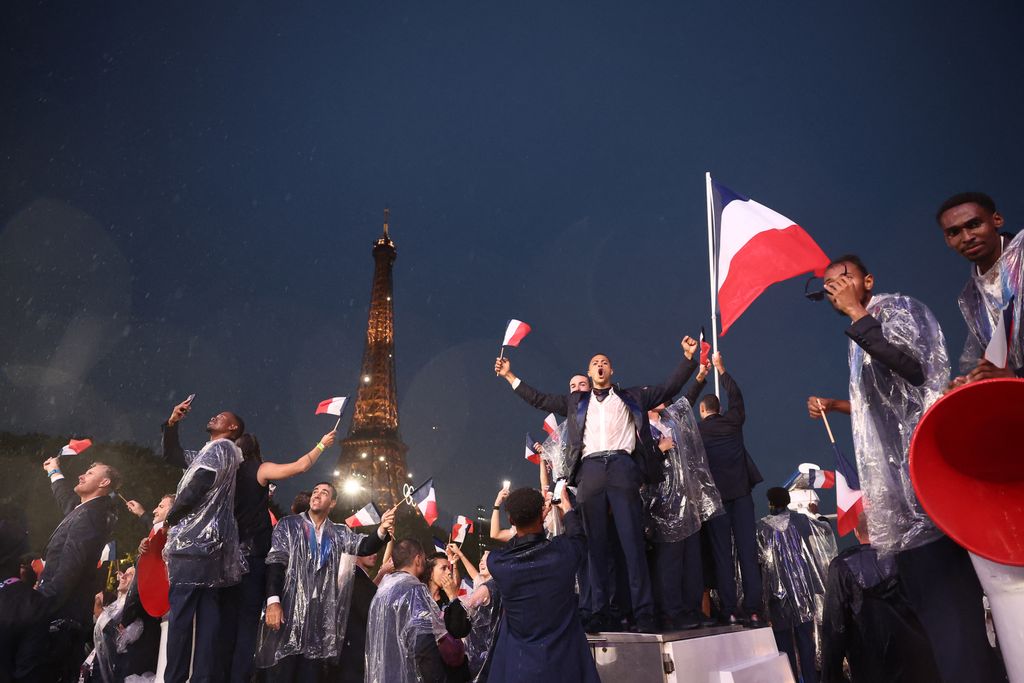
(189, 399)
(556, 497)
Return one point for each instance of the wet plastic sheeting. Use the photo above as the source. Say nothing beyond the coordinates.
(885, 409)
(317, 591)
(985, 298)
(794, 567)
(401, 611)
(210, 529)
(687, 496)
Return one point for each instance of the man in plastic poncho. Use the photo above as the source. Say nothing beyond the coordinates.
(310, 573)
(674, 511)
(971, 226)
(406, 637)
(795, 552)
(898, 367)
(201, 552)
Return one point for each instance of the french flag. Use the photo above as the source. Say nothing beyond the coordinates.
(438, 545)
(550, 424)
(849, 498)
(109, 554)
(756, 247)
(366, 516)
(515, 331)
(76, 446)
(465, 588)
(331, 406)
(705, 348)
(425, 500)
(531, 455)
(462, 526)
(821, 479)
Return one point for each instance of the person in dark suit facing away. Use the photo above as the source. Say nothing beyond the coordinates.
(612, 454)
(352, 658)
(735, 476)
(540, 637)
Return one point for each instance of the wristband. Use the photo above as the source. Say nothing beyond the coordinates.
(50, 473)
(320, 446)
(497, 507)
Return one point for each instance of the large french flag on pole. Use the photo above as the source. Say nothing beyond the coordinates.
(849, 498)
(425, 499)
(755, 248)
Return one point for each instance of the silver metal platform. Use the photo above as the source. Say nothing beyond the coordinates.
(723, 654)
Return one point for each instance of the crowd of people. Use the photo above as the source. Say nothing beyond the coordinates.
(644, 520)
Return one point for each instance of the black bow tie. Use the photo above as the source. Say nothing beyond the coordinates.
(601, 394)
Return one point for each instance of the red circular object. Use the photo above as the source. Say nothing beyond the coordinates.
(151, 576)
(967, 467)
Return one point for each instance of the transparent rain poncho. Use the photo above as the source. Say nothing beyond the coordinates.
(983, 301)
(677, 506)
(210, 530)
(885, 409)
(105, 637)
(483, 606)
(401, 612)
(794, 555)
(317, 592)
(555, 450)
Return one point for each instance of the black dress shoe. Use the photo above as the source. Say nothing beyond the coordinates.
(707, 622)
(645, 625)
(686, 623)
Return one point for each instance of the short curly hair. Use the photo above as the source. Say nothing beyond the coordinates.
(524, 506)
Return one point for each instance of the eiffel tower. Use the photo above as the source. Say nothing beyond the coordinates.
(373, 455)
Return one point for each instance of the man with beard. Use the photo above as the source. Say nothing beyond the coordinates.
(898, 368)
(202, 550)
(971, 226)
(310, 580)
(612, 454)
(68, 582)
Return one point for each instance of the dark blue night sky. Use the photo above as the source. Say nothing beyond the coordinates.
(189, 194)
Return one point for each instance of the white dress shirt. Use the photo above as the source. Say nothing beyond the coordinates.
(609, 426)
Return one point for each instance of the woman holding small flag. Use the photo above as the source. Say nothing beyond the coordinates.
(898, 368)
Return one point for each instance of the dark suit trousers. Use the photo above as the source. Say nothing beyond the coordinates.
(612, 482)
(939, 582)
(678, 579)
(736, 526)
(241, 606)
(798, 643)
(203, 605)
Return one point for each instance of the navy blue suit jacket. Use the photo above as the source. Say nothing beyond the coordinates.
(540, 637)
(638, 399)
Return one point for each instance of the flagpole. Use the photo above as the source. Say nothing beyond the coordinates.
(712, 270)
(824, 419)
(337, 424)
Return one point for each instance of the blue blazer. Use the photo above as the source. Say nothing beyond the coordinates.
(540, 637)
(638, 399)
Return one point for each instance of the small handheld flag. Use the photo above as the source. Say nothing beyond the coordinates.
(705, 348)
(515, 331)
(439, 545)
(76, 446)
(531, 455)
(109, 554)
(821, 479)
(465, 588)
(332, 406)
(849, 498)
(550, 424)
(366, 516)
(462, 526)
(425, 500)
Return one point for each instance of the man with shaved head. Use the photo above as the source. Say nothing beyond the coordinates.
(611, 455)
(202, 551)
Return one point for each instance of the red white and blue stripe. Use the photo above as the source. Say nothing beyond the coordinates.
(849, 498)
(515, 331)
(755, 248)
(365, 516)
(425, 499)
(460, 528)
(331, 406)
(76, 446)
(531, 455)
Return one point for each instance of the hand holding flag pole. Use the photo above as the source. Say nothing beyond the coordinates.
(824, 418)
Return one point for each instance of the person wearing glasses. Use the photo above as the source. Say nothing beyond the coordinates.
(898, 368)
(971, 226)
